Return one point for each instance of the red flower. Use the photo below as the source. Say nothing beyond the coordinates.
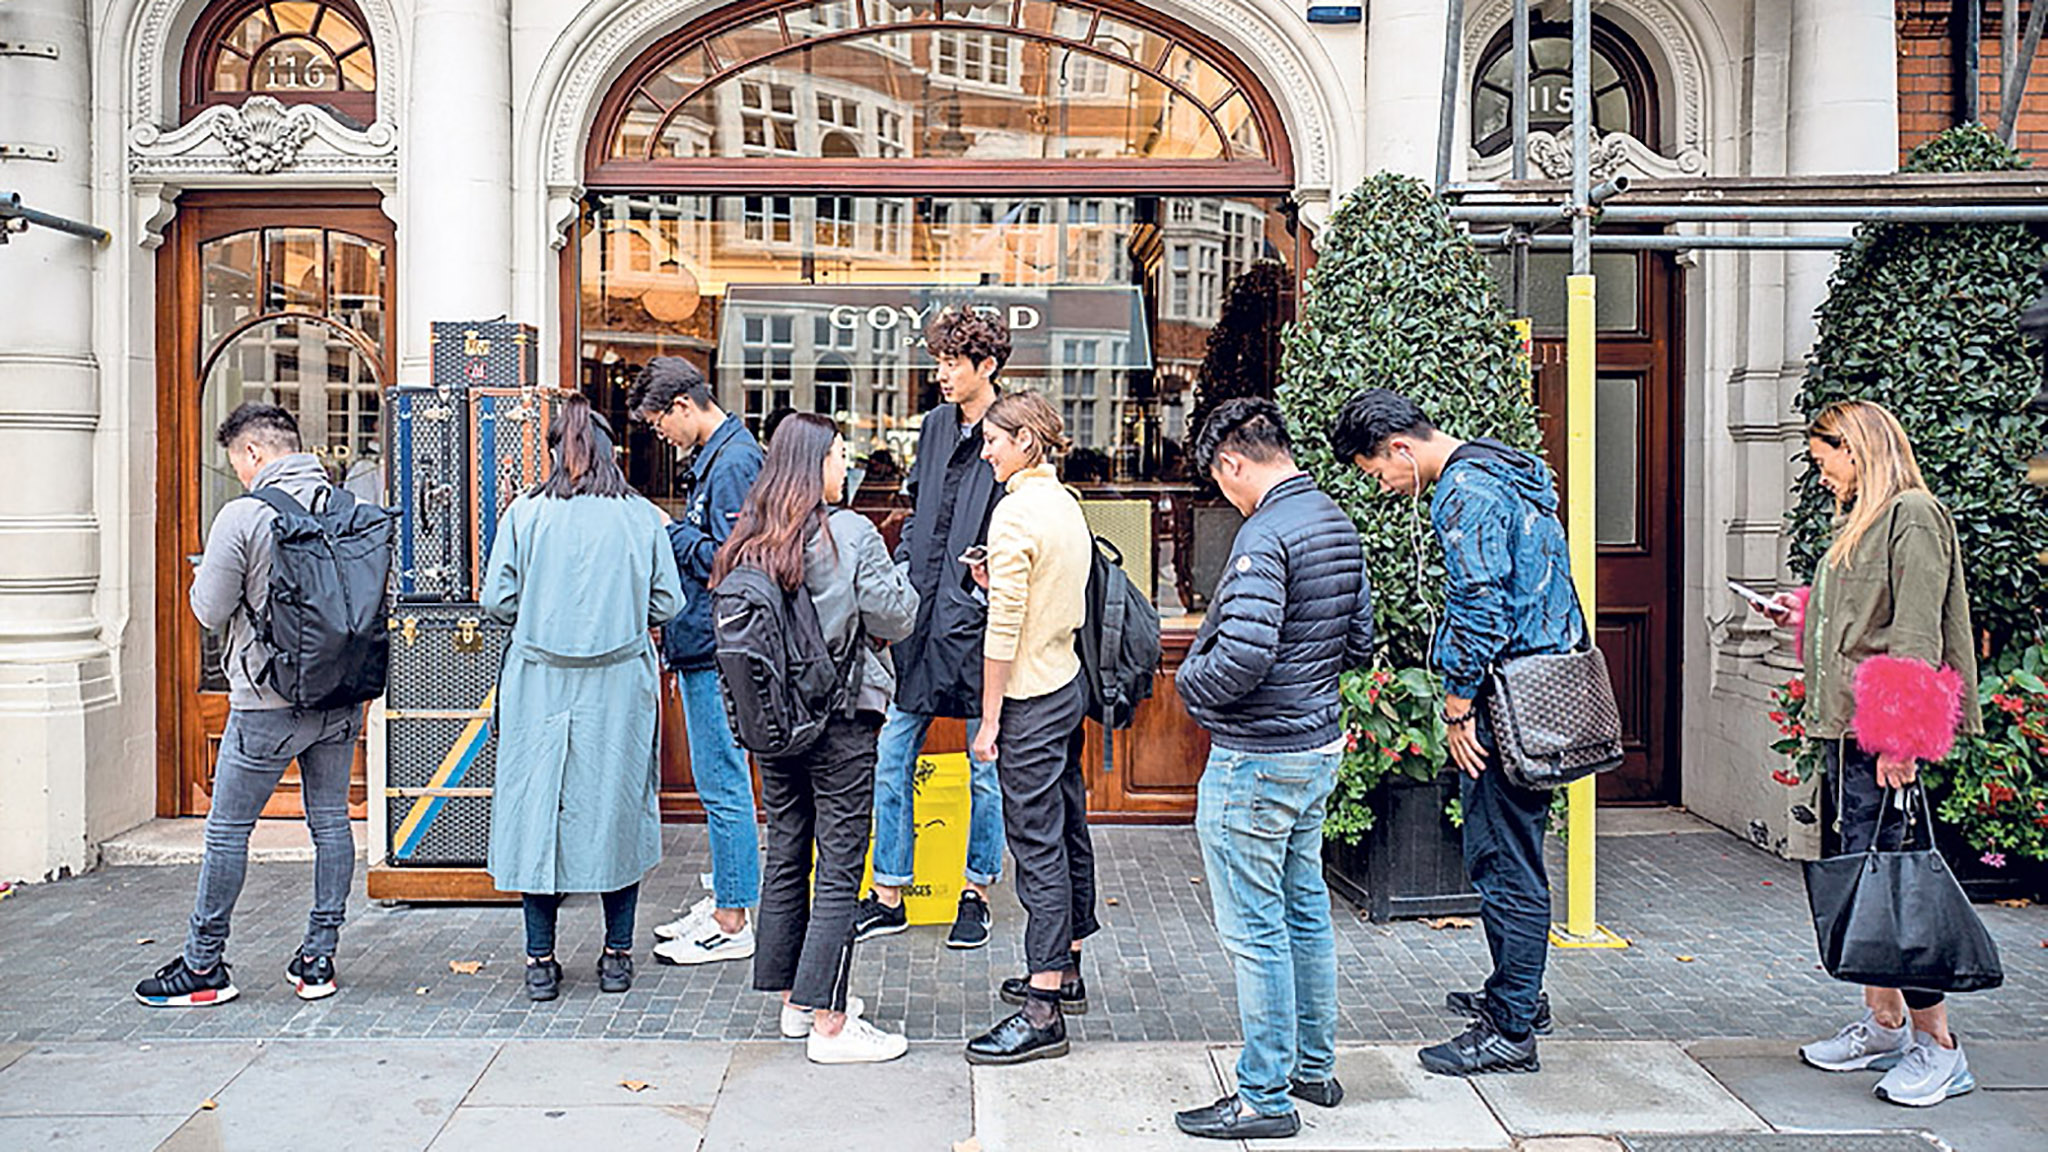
(1381, 676)
(1372, 695)
(1787, 778)
(1796, 688)
(1999, 793)
(1777, 717)
(1351, 741)
(1414, 748)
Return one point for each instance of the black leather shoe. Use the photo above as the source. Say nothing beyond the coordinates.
(1321, 1093)
(543, 980)
(1473, 1004)
(1073, 994)
(614, 972)
(1015, 1041)
(1480, 1048)
(1226, 1120)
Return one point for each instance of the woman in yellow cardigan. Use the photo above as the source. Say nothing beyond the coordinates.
(1036, 574)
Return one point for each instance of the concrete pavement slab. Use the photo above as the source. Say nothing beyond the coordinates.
(1997, 1064)
(666, 1129)
(1792, 1096)
(569, 1073)
(86, 1133)
(1120, 1096)
(1389, 1103)
(9, 1053)
(349, 1094)
(775, 1099)
(167, 1078)
(1614, 1086)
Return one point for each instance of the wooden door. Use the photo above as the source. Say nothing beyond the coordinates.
(1637, 437)
(285, 300)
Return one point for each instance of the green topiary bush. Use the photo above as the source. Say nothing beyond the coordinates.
(1399, 298)
(1922, 319)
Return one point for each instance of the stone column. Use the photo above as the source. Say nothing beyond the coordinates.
(1404, 72)
(55, 671)
(455, 235)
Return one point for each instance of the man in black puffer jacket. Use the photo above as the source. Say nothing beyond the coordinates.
(1293, 610)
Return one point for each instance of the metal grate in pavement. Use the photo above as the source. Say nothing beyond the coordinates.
(1785, 1142)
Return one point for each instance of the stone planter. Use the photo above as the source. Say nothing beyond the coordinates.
(1412, 863)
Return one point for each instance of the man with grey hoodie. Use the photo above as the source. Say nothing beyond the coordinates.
(264, 732)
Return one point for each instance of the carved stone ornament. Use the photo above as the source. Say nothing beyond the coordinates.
(263, 135)
(1550, 154)
(261, 138)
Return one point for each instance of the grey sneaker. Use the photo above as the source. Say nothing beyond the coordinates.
(1862, 1044)
(1927, 1074)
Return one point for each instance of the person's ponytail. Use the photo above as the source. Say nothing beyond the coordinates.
(582, 454)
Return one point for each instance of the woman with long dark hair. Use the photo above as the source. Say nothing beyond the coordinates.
(1891, 679)
(1032, 701)
(823, 795)
(581, 569)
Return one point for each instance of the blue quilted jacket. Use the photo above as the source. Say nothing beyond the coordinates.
(1292, 610)
(1508, 577)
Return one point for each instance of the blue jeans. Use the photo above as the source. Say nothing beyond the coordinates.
(1259, 817)
(255, 749)
(542, 909)
(896, 754)
(1504, 827)
(726, 787)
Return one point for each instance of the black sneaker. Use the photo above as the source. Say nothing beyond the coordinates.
(1473, 1005)
(543, 980)
(1321, 1093)
(1480, 1048)
(312, 979)
(176, 986)
(1073, 994)
(872, 918)
(1226, 1120)
(970, 923)
(614, 971)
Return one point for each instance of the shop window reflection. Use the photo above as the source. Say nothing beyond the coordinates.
(838, 290)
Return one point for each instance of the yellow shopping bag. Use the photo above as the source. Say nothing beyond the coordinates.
(939, 813)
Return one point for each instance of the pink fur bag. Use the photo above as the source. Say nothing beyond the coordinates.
(1907, 709)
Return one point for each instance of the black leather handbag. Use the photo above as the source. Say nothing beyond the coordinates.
(1899, 919)
(1554, 717)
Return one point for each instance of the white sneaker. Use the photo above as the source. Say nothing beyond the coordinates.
(1927, 1075)
(683, 925)
(858, 1043)
(708, 945)
(796, 1022)
(1861, 1044)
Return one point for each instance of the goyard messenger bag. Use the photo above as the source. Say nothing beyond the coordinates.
(1554, 717)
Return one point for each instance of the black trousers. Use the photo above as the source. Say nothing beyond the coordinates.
(825, 798)
(1504, 827)
(1851, 803)
(1045, 812)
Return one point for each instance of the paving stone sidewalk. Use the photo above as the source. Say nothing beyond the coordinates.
(1682, 1043)
(1723, 947)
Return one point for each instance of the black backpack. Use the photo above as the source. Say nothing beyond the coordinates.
(1118, 644)
(325, 622)
(780, 682)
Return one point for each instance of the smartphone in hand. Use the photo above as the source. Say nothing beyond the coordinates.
(978, 554)
(1757, 600)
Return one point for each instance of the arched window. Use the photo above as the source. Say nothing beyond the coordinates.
(298, 51)
(1623, 93)
(891, 88)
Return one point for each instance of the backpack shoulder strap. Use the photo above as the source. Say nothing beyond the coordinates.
(279, 500)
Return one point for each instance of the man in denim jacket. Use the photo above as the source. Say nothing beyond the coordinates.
(1291, 612)
(1507, 592)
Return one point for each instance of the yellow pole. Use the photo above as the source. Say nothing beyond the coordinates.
(1580, 927)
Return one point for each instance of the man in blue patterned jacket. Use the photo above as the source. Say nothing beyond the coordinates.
(1507, 592)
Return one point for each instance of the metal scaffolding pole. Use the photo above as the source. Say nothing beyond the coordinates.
(1662, 243)
(1754, 213)
(1581, 928)
(1518, 159)
(1447, 106)
(15, 218)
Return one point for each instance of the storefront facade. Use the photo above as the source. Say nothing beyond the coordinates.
(781, 191)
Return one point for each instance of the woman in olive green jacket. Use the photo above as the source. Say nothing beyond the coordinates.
(1890, 680)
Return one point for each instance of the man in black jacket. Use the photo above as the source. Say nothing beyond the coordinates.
(938, 667)
(1292, 610)
(672, 397)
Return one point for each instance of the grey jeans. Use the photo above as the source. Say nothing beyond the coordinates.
(255, 749)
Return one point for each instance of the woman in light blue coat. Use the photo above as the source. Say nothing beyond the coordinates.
(581, 569)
